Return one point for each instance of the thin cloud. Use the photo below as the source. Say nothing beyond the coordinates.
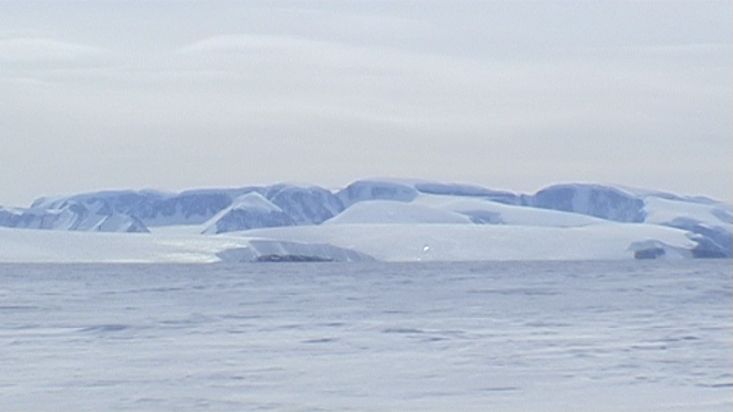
(45, 50)
(509, 94)
(232, 43)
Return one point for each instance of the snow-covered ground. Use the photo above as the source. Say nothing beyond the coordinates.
(387, 242)
(441, 242)
(18, 245)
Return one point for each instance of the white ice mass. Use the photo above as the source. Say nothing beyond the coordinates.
(384, 219)
(250, 211)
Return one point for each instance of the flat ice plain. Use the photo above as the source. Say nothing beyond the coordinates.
(504, 336)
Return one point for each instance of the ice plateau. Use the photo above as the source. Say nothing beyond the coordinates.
(388, 219)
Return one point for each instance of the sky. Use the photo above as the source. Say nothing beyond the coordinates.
(509, 95)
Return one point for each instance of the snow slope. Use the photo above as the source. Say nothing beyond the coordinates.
(442, 242)
(491, 212)
(387, 211)
(352, 242)
(662, 211)
(451, 209)
(38, 246)
(712, 221)
(248, 211)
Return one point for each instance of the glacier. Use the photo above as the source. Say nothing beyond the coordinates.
(376, 218)
(71, 216)
(385, 211)
(250, 211)
(589, 199)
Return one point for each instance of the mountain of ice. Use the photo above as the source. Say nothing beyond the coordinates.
(72, 216)
(605, 202)
(250, 211)
(154, 208)
(306, 205)
(401, 203)
(362, 190)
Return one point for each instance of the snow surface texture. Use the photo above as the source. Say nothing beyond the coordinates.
(388, 219)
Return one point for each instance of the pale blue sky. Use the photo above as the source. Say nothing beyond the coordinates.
(510, 95)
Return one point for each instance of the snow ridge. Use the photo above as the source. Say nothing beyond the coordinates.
(250, 211)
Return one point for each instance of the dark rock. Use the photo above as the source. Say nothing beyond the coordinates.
(651, 253)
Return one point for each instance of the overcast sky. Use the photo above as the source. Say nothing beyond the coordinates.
(510, 95)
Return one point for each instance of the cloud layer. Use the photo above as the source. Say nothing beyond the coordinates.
(503, 94)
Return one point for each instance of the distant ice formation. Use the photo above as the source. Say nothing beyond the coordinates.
(395, 219)
(71, 216)
(250, 211)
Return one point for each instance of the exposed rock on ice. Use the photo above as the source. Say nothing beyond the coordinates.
(264, 250)
(655, 249)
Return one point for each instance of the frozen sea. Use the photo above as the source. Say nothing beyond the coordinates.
(514, 336)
